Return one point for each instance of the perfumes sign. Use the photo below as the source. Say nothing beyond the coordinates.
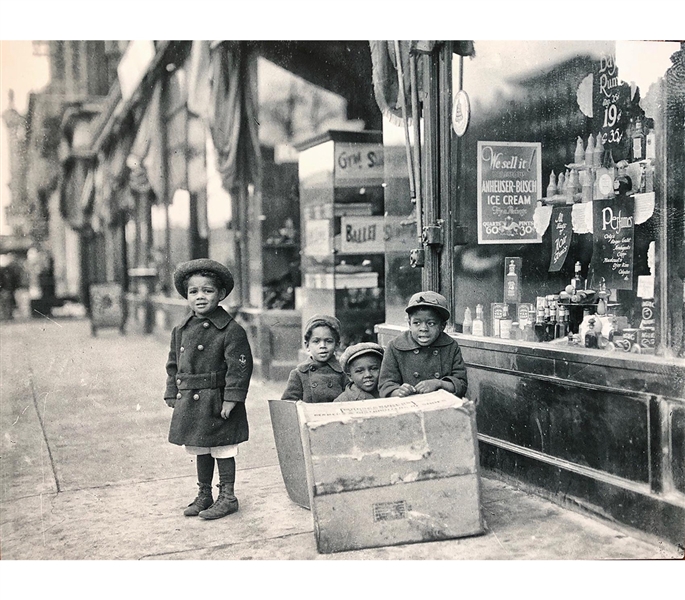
(613, 233)
(509, 182)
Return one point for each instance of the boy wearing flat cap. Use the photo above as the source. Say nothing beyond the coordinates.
(362, 364)
(320, 378)
(425, 358)
(208, 375)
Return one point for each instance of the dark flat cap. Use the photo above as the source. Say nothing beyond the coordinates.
(327, 320)
(357, 350)
(433, 300)
(186, 269)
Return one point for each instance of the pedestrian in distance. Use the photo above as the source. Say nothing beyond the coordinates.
(424, 358)
(320, 378)
(208, 376)
(362, 364)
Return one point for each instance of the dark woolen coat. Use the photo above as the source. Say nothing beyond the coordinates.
(405, 361)
(352, 393)
(209, 362)
(312, 381)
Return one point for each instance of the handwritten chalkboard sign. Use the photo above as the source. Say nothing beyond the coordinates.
(509, 184)
(613, 235)
(611, 106)
(562, 231)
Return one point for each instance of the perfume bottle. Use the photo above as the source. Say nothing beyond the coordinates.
(511, 284)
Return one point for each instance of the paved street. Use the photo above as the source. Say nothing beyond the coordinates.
(87, 472)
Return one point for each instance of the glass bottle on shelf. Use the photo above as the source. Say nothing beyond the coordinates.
(511, 289)
(552, 186)
(561, 328)
(591, 337)
(467, 327)
(579, 154)
(577, 282)
(590, 151)
(505, 323)
(539, 328)
(638, 141)
(478, 326)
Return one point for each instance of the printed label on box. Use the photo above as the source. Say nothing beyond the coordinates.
(390, 511)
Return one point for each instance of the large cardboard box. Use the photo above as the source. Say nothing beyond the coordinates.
(391, 471)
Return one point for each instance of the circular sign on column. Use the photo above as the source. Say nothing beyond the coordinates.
(461, 112)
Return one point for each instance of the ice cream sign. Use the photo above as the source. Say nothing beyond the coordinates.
(509, 182)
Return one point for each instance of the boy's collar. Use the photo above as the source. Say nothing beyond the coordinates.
(310, 362)
(218, 317)
(407, 342)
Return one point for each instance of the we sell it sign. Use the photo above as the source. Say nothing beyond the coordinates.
(509, 183)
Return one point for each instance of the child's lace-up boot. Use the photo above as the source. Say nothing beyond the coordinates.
(226, 503)
(204, 500)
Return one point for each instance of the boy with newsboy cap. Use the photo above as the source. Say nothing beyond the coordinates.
(320, 378)
(362, 364)
(208, 375)
(424, 358)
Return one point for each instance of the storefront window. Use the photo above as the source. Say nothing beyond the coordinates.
(561, 174)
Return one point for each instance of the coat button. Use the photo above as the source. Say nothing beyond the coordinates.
(435, 352)
(178, 382)
(314, 384)
(416, 373)
(205, 325)
(416, 351)
(196, 396)
(179, 396)
(200, 347)
(330, 384)
(183, 349)
(437, 375)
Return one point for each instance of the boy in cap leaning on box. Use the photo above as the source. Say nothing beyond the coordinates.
(320, 378)
(425, 358)
(208, 375)
(362, 364)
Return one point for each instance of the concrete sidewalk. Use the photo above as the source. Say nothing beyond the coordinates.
(87, 472)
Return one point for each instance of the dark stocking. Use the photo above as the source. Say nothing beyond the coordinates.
(205, 468)
(227, 473)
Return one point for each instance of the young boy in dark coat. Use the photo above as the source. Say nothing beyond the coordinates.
(320, 378)
(362, 364)
(208, 375)
(425, 358)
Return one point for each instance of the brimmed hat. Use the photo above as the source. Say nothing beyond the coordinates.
(186, 269)
(433, 300)
(358, 350)
(327, 320)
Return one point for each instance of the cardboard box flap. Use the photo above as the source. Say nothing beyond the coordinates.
(314, 414)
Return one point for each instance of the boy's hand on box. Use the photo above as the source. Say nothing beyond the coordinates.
(429, 385)
(170, 402)
(226, 408)
(406, 389)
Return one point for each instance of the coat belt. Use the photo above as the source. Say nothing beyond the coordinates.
(200, 381)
